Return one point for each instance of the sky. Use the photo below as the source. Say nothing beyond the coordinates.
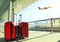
(32, 13)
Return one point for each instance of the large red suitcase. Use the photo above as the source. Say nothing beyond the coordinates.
(9, 31)
(24, 29)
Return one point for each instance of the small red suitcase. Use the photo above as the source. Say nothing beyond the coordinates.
(9, 31)
(24, 29)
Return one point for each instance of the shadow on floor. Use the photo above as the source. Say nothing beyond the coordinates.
(58, 41)
(2, 40)
(37, 37)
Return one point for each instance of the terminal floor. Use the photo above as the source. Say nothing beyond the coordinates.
(38, 36)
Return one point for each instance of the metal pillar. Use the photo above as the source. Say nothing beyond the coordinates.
(51, 25)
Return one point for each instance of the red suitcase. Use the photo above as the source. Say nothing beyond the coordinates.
(24, 29)
(9, 31)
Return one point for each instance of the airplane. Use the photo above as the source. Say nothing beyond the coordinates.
(43, 8)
